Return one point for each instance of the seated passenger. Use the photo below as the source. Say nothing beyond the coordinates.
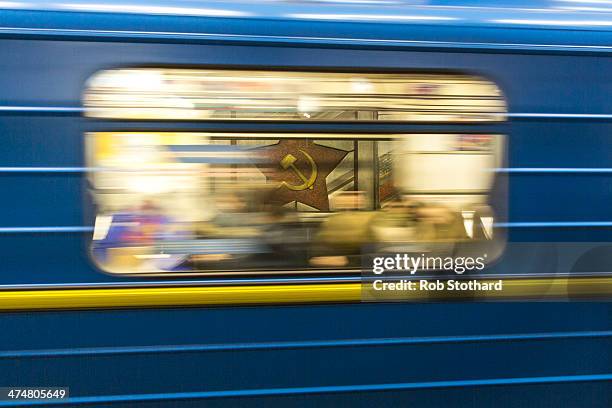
(286, 236)
(232, 219)
(343, 234)
(407, 220)
(134, 237)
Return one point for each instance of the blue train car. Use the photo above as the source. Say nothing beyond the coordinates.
(193, 190)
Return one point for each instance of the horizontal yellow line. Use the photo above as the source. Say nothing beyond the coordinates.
(177, 296)
(42, 299)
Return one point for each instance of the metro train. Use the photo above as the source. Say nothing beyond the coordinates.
(195, 195)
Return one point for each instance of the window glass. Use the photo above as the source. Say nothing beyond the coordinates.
(306, 203)
(197, 94)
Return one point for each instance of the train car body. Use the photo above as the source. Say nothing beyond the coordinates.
(192, 340)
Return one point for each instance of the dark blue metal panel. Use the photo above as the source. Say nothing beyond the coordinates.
(508, 26)
(533, 84)
(225, 353)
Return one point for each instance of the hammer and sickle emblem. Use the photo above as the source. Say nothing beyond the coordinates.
(288, 162)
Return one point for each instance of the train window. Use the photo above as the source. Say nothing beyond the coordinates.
(244, 203)
(197, 94)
